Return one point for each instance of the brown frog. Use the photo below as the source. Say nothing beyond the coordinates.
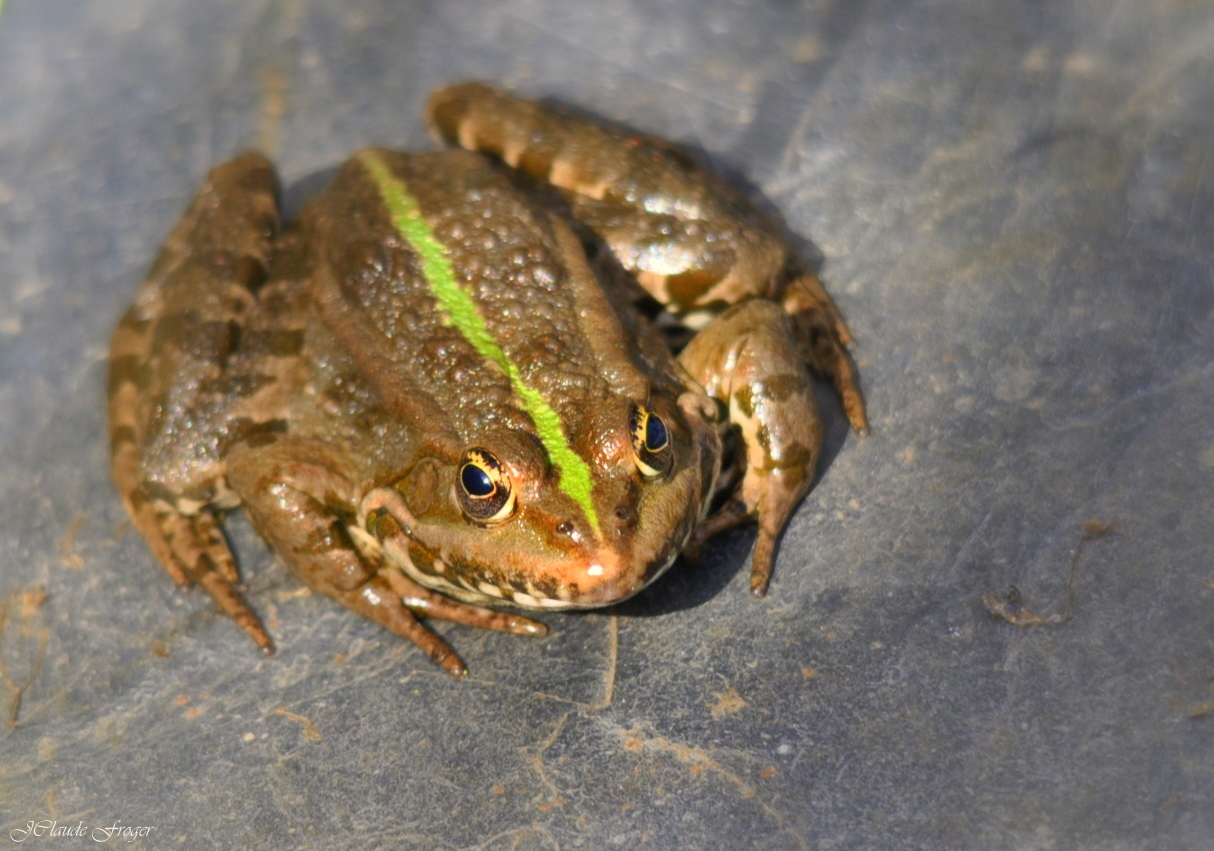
(438, 387)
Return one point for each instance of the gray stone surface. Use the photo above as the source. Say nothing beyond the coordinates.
(1015, 203)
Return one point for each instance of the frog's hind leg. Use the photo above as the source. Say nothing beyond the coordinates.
(748, 360)
(691, 241)
(167, 356)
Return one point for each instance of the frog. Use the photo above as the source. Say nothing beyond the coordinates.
(520, 374)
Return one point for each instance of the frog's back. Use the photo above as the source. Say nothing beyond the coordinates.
(449, 288)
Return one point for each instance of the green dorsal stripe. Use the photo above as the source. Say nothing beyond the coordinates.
(461, 309)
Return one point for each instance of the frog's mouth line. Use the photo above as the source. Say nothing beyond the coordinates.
(482, 592)
(441, 578)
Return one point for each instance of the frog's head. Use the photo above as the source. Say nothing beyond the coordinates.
(512, 518)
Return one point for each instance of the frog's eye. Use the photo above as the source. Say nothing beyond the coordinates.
(650, 443)
(485, 492)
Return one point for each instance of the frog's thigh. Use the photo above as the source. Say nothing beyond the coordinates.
(293, 492)
(691, 241)
(747, 358)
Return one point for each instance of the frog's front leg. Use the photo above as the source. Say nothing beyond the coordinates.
(748, 360)
(305, 509)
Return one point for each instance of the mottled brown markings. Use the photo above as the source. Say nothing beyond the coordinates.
(133, 323)
(137, 500)
(808, 303)
(337, 506)
(167, 352)
(447, 116)
(783, 386)
(255, 434)
(123, 414)
(486, 228)
(132, 337)
(685, 289)
(568, 175)
(280, 300)
(201, 340)
(546, 587)
(797, 456)
(734, 254)
(208, 536)
(188, 500)
(401, 395)
(245, 386)
(536, 161)
(709, 474)
(489, 143)
(325, 539)
(516, 584)
(382, 525)
(122, 434)
(127, 369)
(423, 559)
(275, 342)
(744, 397)
(250, 272)
(419, 487)
(625, 516)
(822, 336)
(262, 400)
(762, 436)
(159, 492)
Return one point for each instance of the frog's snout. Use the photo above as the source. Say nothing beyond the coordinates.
(610, 577)
(604, 577)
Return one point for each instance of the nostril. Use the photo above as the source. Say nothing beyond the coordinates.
(625, 516)
(565, 528)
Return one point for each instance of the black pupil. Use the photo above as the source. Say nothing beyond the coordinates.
(655, 433)
(476, 481)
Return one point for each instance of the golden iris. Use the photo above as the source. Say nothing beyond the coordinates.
(485, 491)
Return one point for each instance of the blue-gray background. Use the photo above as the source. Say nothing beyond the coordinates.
(1014, 201)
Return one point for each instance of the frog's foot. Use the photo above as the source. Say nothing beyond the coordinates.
(775, 495)
(192, 549)
(394, 601)
(733, 513)
(748, 359)
(823, 338)
(378, 601)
